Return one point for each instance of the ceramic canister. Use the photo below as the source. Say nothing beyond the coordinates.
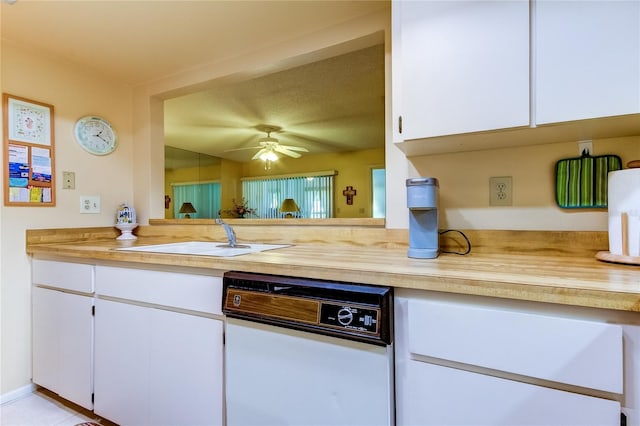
(624, 212)
(125, 214)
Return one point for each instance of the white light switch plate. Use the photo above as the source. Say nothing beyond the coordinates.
(90, 204)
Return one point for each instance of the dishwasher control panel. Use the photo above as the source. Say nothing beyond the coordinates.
(347, 310)
(349, 316)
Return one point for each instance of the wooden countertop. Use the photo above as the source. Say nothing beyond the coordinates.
(521, 270)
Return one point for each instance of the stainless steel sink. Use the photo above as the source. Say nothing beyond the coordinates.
(205, 248)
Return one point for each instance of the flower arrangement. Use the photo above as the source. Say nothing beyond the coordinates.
(240, 209)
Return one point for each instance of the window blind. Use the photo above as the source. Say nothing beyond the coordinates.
(205, 198)
(312, 194)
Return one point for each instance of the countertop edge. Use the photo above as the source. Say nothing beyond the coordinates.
(575, 280)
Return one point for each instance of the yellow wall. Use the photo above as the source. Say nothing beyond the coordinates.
(74, 92)
(354, 169)
(464, 186)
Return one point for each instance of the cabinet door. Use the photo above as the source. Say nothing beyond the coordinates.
(45, 338)
(185, 385)
(63, 344)
(446, 396)
(122, 362)
(587, 59)
(464, 65)
(157, 367)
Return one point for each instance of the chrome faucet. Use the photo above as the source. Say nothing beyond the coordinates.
(231, 235)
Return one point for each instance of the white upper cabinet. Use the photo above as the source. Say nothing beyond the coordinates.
(463, 66)
(587, 57)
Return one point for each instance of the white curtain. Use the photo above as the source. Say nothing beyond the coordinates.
(312, 194)
(205, 198)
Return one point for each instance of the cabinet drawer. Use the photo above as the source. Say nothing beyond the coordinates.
(575, 352)
(64, 275)
(446, 396)
(201, 293)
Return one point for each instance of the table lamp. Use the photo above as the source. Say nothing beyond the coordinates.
(289, 206)
(187, 208)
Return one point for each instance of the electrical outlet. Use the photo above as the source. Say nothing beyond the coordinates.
(68, 180)
(500, 191)
(90, 204)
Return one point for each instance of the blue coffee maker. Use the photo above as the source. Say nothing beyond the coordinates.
(422, 201)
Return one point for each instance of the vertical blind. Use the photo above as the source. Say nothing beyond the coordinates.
(205, 198)
(312, 194)
(378, 179)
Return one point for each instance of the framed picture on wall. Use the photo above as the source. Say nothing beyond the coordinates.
(29, 166)
(28, 121)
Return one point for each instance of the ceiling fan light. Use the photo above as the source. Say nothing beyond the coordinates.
(268, 156)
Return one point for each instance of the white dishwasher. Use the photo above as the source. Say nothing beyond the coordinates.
(307, 352)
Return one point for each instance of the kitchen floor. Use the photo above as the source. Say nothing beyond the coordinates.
(42, 408)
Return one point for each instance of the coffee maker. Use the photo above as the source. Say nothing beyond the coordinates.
(422, 201)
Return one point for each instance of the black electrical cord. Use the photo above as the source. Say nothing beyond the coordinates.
(463, 236)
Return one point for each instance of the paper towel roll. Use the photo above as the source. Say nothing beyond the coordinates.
(624, 212)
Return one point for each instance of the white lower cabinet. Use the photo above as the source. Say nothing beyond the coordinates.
(158, 364)
(62, 329)
(462, 362)
(63, 344)
(440, 395)
(157, 367)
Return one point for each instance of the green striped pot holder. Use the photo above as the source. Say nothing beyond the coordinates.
(582, 182)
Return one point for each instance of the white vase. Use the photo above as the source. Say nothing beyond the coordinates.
(126, 229)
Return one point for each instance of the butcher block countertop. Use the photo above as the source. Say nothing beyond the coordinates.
(554, 267)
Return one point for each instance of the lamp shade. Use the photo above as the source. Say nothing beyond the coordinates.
(187, 208)
(288, 206)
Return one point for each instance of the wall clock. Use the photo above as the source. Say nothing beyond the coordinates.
(96, 135)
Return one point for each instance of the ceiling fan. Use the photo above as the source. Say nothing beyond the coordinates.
(268, 147)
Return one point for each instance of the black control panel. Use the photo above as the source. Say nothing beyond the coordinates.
(350, 317)
(351, 311)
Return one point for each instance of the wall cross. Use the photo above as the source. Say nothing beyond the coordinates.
(349, 192)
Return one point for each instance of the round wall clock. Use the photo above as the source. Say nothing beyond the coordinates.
(96, 135)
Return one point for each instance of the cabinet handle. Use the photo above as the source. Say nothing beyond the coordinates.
(400, 124)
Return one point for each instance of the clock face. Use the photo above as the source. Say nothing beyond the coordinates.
(96, 135)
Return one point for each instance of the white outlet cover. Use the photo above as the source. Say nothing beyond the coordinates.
(90, 204)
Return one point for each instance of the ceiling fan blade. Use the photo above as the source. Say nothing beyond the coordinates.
(259, 153)
(294, 148)
(328, 145)
(242, 149)
(285, 151)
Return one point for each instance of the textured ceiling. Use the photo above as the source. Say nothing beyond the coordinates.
(329, 106)
(333, 105)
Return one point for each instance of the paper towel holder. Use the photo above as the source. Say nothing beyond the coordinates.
(626, 232)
